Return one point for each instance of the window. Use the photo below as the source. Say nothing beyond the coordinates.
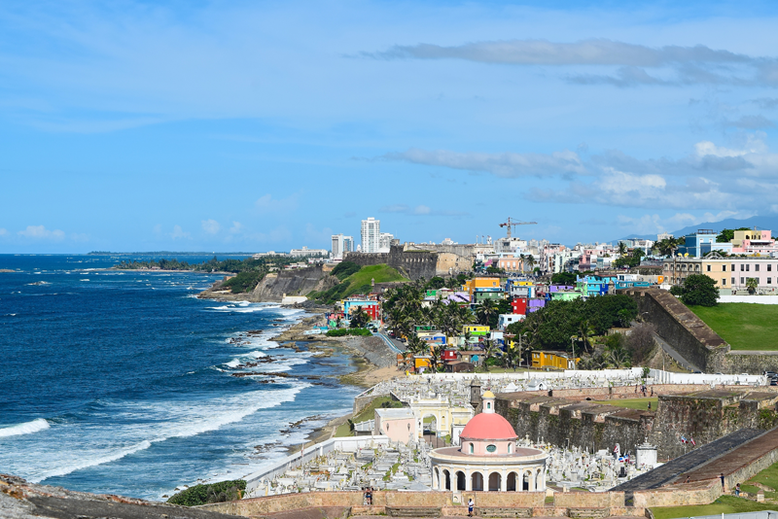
(723, 282)
(708, 268)
(742, 281)
(491, 448)
(733, 267)
(769, 267)
(472, 450)
(756, 267)
(742, 267)
(733, 281)
(723, 267)
(769, 281)
(748, 267)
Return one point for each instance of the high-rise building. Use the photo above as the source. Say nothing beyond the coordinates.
(385, 241)
(341, 244)
(371, 234)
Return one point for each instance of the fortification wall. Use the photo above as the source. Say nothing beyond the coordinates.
(681, 328)
(414, 265)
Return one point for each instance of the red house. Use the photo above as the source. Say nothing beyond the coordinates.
(519, 305)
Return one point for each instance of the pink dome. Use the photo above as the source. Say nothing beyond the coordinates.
(488, 426)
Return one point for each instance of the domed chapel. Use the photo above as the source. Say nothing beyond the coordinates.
(488, 458)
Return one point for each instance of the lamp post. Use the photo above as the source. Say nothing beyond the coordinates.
(572, 344)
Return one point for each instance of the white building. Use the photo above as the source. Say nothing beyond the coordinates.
(341, 244)
(371, 235)
(385, 241)
(305, 251)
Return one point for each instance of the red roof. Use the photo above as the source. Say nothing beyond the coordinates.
(488, 426)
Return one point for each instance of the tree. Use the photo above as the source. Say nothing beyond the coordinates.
(751, 285)
(699, 290)
(622, 248)
(490, 350)
(436, 282)
(417, 346)
(563, 278)
(727, 235)
(359, 318)
(640, 342)
(530, 259)
(668, 246)
(485, 311)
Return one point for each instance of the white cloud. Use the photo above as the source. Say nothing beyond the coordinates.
(39, 232)
(267, 204)
(506, 165)
(211, 226)
(653, 223)
(3, 232)
(677, 65)
(585, 52)
(236, 228)
(178, 233)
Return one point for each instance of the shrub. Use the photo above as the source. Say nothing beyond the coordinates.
(211, 493)
(342, 332)
(344, 269)
(243, 282)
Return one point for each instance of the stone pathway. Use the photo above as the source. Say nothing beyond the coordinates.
(691, 462)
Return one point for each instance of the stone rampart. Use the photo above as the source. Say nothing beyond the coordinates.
(681, 328)
(414, 265)
(298, 282)
(589, 499)
(702, 495)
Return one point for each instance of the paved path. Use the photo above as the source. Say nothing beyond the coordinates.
(691, 461)
(392, 344)
(675, 355)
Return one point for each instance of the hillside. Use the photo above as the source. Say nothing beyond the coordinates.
(745, 326)
(358, 282)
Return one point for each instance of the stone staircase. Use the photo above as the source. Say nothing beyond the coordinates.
(588, 513)
(413, 511)
(503, 512)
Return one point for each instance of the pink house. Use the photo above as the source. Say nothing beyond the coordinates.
(398, 424)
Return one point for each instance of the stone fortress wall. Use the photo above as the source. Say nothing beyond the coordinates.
(693, 339)
(419, 260)
(571, 417)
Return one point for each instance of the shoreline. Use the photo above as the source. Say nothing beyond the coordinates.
(366, 374)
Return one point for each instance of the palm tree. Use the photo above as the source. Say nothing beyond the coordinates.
(622, 249)
(751, 285)
(530, 261)
(490, 349)
(618, 357)
(416, 345)
(585, 333)
(486, 310)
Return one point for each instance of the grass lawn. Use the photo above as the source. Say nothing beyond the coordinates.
(381, 273)
(365, 414)
(745, 326)
(632, 403)
(723, 505)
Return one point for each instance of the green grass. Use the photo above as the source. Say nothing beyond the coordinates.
(368, 412)
(745, 326)
(723, 505)
(768, 477)
(381, 273)
(632, 403)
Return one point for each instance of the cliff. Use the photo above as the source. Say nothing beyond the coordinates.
(300, 282)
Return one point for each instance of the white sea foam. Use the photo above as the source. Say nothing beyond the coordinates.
(37, 425)
(78, 448)
(87, 279)
(234, 363)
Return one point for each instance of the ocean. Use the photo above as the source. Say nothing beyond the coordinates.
(123, 382)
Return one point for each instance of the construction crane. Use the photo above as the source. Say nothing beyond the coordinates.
(510, 223)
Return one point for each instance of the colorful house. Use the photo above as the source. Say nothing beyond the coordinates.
(480, 282)
(476, 330)
(519, 305)
(370, 306)
(552, 359)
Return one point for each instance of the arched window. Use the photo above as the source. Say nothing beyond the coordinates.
(510, 448)
(472, 449)
(488, 405)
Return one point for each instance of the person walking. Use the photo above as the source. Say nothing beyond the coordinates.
(737, 490)
(721, 477)
(470, 505)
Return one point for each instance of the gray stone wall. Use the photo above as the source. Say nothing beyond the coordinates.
(414, 265)
(298, 282)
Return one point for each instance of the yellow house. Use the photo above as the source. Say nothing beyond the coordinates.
(551, 359)
(476, 330)
(480, 282)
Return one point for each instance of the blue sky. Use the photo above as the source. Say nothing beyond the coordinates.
(250, 126)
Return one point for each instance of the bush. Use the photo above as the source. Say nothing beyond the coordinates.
(344, 269)
(212, 493)
(342, 332)
(243, 282)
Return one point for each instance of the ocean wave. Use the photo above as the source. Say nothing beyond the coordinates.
(166, 420)
(234, 363)
(37, 425)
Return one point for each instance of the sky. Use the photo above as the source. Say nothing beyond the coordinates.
(256, 126)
